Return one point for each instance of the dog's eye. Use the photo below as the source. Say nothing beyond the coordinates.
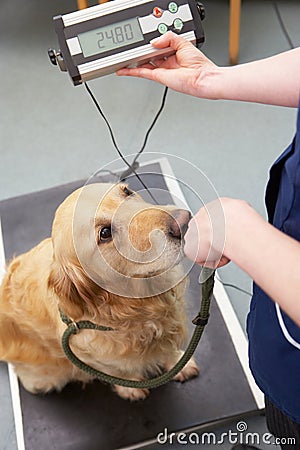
(127, 191)
(105, 234)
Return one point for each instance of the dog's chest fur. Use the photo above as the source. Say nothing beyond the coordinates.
(142, 336)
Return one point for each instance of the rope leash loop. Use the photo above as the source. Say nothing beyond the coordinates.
(207, 282)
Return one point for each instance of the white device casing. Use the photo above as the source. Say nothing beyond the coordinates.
(83, 68)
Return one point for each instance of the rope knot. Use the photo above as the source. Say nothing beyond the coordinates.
(75, 326)
(69, 322)
(200, 321)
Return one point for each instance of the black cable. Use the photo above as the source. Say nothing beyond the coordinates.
(107, 123)
(153, 124)
(134, 165)
(132, 169)
(282, 25)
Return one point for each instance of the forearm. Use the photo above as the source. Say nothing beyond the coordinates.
(274, 80)
(271, 258)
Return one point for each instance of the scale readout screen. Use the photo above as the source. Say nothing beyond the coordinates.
(110, 37)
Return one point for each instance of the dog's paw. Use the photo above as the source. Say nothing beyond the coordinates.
(132, 394)
(190, 370)
(36, 387)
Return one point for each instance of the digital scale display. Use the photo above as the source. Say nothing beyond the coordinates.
(110, 37)
(99, 40)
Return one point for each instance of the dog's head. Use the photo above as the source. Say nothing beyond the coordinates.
(106, 238)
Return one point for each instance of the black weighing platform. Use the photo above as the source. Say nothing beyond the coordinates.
(94, 418)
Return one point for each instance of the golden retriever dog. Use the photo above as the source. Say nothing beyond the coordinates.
(113, 259)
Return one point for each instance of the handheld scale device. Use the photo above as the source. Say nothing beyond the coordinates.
(99, 40)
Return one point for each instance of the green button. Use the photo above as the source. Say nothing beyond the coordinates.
(162, 28)
(178, 24)
(173, 7)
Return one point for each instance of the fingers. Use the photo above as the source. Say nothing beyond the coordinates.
(223, 261)
(204, 238)
(170, 39)
(149, 70)
(140, 72)
(214, 264)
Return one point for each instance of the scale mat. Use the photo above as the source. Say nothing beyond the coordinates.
(94, 418)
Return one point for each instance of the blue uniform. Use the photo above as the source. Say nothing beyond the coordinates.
(274, 348)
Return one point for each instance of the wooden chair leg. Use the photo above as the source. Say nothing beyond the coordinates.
(102, 1)
(81, 4)
(234, 30)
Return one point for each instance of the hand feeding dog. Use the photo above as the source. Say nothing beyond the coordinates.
(113, 259)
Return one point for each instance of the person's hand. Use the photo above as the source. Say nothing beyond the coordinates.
(181, 71)
(215, 233)
(206, 234)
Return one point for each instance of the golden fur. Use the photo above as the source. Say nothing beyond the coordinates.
(65, 271)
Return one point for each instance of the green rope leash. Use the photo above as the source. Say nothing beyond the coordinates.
(207, 281)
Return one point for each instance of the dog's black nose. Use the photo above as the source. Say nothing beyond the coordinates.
(179, 223)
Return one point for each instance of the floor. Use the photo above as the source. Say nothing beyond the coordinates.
(51, 133)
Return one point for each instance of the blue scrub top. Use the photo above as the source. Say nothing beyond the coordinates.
(274, 348)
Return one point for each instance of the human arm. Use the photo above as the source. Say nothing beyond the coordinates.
(273, 80)
(268, 256)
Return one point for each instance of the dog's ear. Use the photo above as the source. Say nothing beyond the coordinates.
(77, 293)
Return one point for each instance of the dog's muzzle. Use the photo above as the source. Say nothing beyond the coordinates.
(179, 223)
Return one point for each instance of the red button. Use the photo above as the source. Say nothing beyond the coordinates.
(157, 12)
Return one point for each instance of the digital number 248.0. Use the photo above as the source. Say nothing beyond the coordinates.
(117, 35)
